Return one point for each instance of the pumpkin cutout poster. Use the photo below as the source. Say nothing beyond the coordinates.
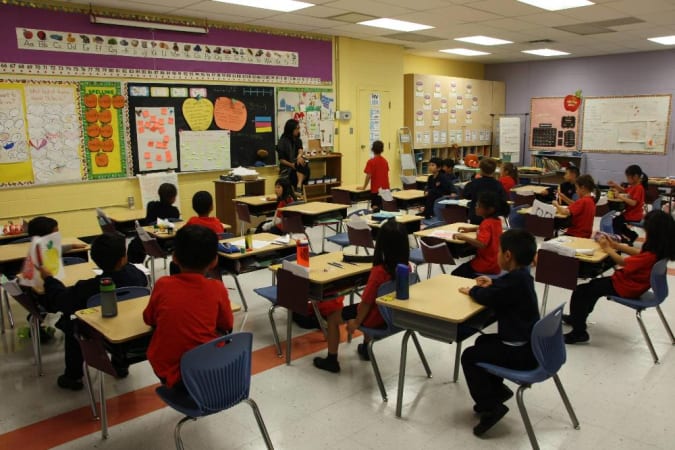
(102, 105)
(156, 138)
(230, 114)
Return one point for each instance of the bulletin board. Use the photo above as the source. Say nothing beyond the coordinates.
(159, 114)
(313, 108)
(631, 124)
(552, 127)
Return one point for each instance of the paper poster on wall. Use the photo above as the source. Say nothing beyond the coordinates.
(16, 166)
(198, 113)
(156, 138)
(229, 113)
(102, 105)
(54, 130)
(552, 127)
(204, 150)
(509, 137)
(150, 183)
(309, 107)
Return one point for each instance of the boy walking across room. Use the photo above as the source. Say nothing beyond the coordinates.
(377, 174)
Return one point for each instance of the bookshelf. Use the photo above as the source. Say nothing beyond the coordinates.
(422, 156)
(549, 160)
(326, 173)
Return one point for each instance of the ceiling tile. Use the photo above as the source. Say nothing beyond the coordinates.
(508, 24)
(275, 24)
(373, 8)
(637, 8)
(506, 9)
(320, 11)
(592, 13)
(549, 19)
(459, 13)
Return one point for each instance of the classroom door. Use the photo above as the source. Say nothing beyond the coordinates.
(373, 124)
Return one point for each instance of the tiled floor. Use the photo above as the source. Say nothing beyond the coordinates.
(621, 397)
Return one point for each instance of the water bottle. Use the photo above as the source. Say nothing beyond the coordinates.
(108, 297)
(302, 253)
(248, 241)
(402, 282)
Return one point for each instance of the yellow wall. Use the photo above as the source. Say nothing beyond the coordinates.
(442, 66)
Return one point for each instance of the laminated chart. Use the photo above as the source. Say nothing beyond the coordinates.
(204, 150)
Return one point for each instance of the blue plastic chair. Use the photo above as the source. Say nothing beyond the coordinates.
(606, 225)
(651, 299)
(217, 376)
(548, 347)
(378, 334)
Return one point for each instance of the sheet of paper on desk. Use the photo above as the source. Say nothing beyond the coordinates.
(256, 244)
(454, 201)
(443, 234)
(282, 240)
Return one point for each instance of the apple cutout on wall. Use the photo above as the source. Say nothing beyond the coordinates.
(198, 113)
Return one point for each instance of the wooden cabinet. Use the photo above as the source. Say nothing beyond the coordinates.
(557, 162)
(325, 173)
(226, 192)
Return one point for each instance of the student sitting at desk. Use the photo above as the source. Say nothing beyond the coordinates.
(438, 185)
(391, 249)
(43, 225)
(284, 196)
(187, 309)
(631, 281)
(448, 166)
(162, 208)
(487, 239)
(567, 191)
(202, 203)
(514, 301)
(582, 211)
(508, 177)
(634, 198)
(109, 253)
(486, 182)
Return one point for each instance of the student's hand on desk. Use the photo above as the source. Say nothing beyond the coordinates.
(604, 243)
(271, 197)
(465, 290)
(483, 281)
(352, 326)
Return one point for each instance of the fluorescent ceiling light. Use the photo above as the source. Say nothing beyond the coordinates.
(545, 52)
(463, 52)
(148, 25)
(483, 40)
(274, 5)
(557, 5)
(393, 24)
(663, 40)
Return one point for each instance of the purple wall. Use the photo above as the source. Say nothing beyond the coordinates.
(315, 56)
(627, 74)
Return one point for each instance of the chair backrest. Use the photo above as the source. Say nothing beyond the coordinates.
(606, 222)
(292, 291)
(557, 270)
(547, 341)
(70, 260)
(217, 375)
(436, 251)
(292, 222)
(387, 288)
(659, 280)
(14, 289)
(106, 223)
(601, 209)
(540, 226)
(341, 197)
(652, 194)
(93, 348)
(390, 205)
(122, 293)
(454, 214)
(520, 199)
(243, 212)
(360, 237)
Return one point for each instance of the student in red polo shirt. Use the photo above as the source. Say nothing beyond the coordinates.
(202, 203)
(631, 281)
(187, 309)
(377, 173)
(634, 198)
(487, 239)
(581, 210)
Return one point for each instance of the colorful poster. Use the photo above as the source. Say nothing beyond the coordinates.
(54, 130)
(102, 105)
(204, 150)
(309, 107)
(15, 165)
(552, 127)
(156, 138)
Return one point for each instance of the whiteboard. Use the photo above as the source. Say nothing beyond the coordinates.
(509, 137)
(635, 124)
(204, 150)
(150, 183)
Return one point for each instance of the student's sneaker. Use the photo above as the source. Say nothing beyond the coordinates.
(577, 337)
(326, 364)
(65, 382)
(567, 319)
(362, 350)
(506, 395)
(489, 419)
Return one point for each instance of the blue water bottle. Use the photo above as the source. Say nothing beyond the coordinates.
(402, 282)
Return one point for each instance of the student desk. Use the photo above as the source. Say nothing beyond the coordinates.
(435, 309)
(409, 198)
(535, 175)
(616, 204)
(666, 187)
(590, 266)
(314, 212)
(226, 195)
(9, 238)
(17, 252)
(444, 232)
(258, 205)
(411, 222)
(163, 234)
(527, 211)
(327, 282)
(421, 181)
(356, 194)
(536, 189)
(263, 252)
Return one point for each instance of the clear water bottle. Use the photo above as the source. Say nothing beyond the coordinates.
(402, 282)
(108, 297)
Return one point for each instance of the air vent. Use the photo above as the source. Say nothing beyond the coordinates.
(541, 41)
(602, 26)
(352, 17)
(412, 37)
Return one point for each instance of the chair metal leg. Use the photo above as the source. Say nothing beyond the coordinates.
(401, 372)
(153, 277)
(322, 323)
(542, 313)
(458, 356)
(275, 334)
(638, 315)
(261, 423)
(376, 370)
(526, 417)
(289, 335)
(665, 324)
(428, 270)
(351, 302)
(4, 299)
(10, 316)
(309, 241)
(566, 401)
(241, 292)
(103, 406)
(442, 268)
(176, 432)
(90, 389)
(421, 353)
(35, 339)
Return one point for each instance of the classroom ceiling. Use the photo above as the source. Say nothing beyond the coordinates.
(608, 27)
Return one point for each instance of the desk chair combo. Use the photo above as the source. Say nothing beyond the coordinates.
(152, 249)
(432, 251)
(343, 239)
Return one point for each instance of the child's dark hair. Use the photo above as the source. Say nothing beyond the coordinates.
(660, 229)
(167, 193)
(521, 243)
(573, 169)
(107, 250)
(391, 247)
(449, 162)
(41, 226)
(587, 182)
(437, 161)
(195, 247)
(202, 203)
(289, 128)
(510, 170)
(487, 166)
(488, 200)
(378, 147)
(635, 170)
(286, 189)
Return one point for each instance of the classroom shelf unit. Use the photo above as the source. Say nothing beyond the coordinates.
(457, 154)
(326, 173)
(558, 161)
